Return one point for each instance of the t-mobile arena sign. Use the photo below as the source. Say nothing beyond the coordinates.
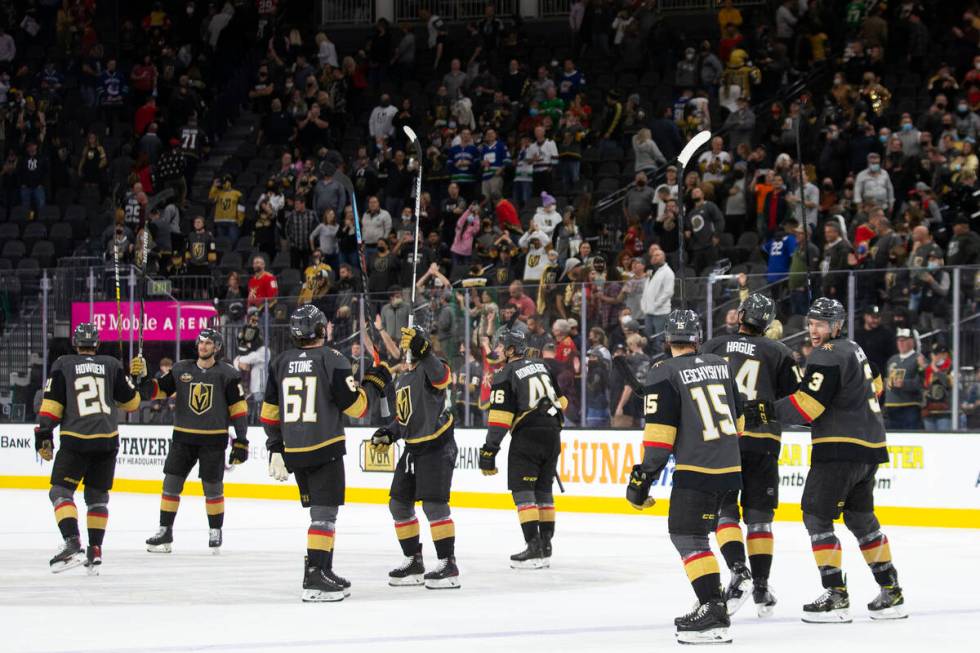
(159, 323)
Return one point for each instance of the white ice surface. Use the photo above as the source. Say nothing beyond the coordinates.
(615, 584)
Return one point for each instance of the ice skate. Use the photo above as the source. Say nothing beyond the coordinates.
(530, 558)
(706, 624)
(832, 607)
(763, 598)
(410, 573)
(69, 556)
(318, 587)
(738, 588)
(214, 540)
(162, 542)
(889, 604)
(93, 560)
(445, 576)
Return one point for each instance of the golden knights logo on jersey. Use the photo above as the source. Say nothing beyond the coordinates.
(201, 397)
(197, 250)
(403, 405)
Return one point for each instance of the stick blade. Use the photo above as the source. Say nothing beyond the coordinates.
(693, 145)
(410, 133)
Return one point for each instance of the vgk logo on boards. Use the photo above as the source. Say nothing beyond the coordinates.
(403, 405)
(201, 397)
(378, 461)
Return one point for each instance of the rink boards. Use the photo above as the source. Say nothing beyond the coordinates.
(932, 479)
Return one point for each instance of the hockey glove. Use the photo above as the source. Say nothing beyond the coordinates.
(44, 443)
(239, 452)
(137, 367)
(277, 467)
(378, 376)
(488, 460)
(638, 489)
(756, 413)
(381, 440)
(414, 339)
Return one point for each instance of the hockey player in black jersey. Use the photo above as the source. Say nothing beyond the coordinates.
(424, 422)
(310, 389)
(692, 412)
(209, 399)
(81, 396)
(838, 398)
(525, 402)
(764, 370)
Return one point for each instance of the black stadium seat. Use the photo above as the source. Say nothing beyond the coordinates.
(14, 250)
(44, 251)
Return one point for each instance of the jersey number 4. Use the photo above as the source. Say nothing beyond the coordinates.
(716, 416)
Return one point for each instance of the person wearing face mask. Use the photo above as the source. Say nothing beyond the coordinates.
(686, 75)
(909, 136)
(874, 186)
(966, 122)
(381, 121)
(934, 303)
(702, 226)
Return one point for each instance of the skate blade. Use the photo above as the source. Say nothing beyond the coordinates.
(93, 570)
(536, 563)
(215, 550)
(319, 596)
(764, 609)
(70, 563)
(710, 636)
(894, 612)
(407, 581)
(346, 592)
(451, 583)
(735, 603)
(833, 617)
(160, 548)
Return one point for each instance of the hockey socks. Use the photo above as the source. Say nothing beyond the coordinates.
(443, 537)
(215, 507)
(66, 514)
(827, 554)
(98, 516)
(169, 503)
(530, 518)
(878, 554)
(729, 535)
(702, 570)
(760, 548)
(319, 544)
(546, 516)
(408, 536)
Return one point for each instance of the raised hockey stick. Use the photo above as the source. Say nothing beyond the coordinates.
(803, 224)
(693, 145)
(154, 203)
(418, 209)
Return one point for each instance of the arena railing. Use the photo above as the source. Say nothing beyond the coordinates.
(463, 322)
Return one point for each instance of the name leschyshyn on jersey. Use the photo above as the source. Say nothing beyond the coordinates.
(702, 373)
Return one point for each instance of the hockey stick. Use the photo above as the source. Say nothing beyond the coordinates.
(418, 209)
(362, 259)
(621, 366)
(151, 205)
(803, 224)
(693, 145)
(115, 264)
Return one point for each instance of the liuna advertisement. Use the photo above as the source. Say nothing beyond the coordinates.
(931, 479)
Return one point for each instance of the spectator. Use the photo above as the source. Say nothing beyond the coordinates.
(779, 251)
(658, 290)
(938, 390)
(547, 217)
(229, 212)
(329, 193)
(903, 375)
(876, 339)
(597, 389)
(933, 304)
(834, 261)
(629, 408)
(648, 156)
(32, 174)
(702, 227)
(494, 160)
(740, 124)
(811, 198)
(543, 156)
(201, 252)
(375, 223)
(300, 223)
(964, 246)
(523, 173)
(873, 187)
(316, 280)
(381, 122)
(467, 226)
(464, 164)
(262, 287)
(715, 164)
(525, 305)
(252, 360)
(324, 238)
(112, 92)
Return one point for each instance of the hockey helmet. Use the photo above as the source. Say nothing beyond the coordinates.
(828, 310)
(683, 326)
(307, 323)
(85, 336)
(511, 339)
(757, 311)
(213, 336)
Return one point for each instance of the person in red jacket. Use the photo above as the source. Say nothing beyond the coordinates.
(262, 286)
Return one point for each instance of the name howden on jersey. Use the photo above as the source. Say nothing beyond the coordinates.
(90, 368)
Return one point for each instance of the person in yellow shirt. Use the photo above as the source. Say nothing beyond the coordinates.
(229, 212)
(317, 279)
(728, 15)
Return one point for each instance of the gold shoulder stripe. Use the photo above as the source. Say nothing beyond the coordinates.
(359, 407)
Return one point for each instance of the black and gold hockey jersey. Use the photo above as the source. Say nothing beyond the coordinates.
(81, 394)
(903, 381)
(524, 397)
(838, 397)
(207, 400)
(692, 411)
(423, 416)
(308, 393)
(764, 370)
